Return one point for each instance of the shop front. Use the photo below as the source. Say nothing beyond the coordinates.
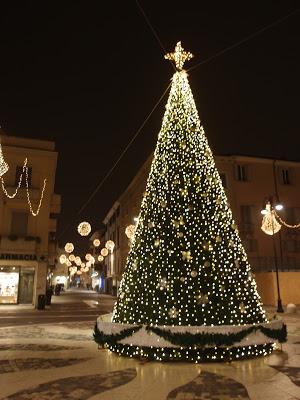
(16, 284)
(18, 276)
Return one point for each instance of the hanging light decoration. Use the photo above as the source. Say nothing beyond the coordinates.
(88, 264)
(110, 245)
(96, 242)
(269, 223)
(104, 252)
(84, 228)
(62, 259)
(69, 247)
(92, 260)
(130, 231)
(68, 263)
(100, 258)
(3, 165)
(71, 257)
(79, 272)
(88, 256)
(82, 265)
(86, 269)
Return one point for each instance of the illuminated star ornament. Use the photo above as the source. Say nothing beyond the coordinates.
(179, 56)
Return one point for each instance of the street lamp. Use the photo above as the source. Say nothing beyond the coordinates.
(271, 226)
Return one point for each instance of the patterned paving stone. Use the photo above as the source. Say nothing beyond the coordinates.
(292, 372)
(36, 363)
(76, 388)
(209, 386)
(36, 347)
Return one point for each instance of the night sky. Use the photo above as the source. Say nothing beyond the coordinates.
(87, 73)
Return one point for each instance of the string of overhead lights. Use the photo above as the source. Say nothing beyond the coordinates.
(282, 222)
(13, 195)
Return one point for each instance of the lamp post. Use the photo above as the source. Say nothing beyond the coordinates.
(270, 226)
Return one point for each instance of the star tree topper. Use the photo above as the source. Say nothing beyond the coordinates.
(179, 56)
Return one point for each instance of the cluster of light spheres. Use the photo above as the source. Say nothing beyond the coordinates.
(96, 242)
(187, 265)
(69, 247)
(84, 228)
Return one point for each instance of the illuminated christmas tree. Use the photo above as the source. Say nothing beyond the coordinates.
(187, 290)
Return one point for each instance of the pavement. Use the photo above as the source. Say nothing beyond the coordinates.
(60, 360)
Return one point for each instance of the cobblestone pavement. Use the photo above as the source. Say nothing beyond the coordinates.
(61, 361)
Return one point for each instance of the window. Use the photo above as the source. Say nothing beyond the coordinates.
(19, 223)
(224, 180)
(19, 171)
(241, 173)
(284, 176)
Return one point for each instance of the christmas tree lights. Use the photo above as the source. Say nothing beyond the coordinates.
(187, 269)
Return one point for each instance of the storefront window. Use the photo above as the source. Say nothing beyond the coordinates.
(9, 284)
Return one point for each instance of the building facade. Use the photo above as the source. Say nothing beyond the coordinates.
(28, 243)
(248, 182)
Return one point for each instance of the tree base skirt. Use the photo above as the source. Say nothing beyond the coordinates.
(189, 343)
(195, 355)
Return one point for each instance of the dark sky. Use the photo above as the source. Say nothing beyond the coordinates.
(87, 73)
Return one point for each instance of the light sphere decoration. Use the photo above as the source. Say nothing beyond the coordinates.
(96, 242)
(130, 231)
(71, 257)
(68, 263)
(88, 256)
(92, 260)
(86, 269)
(82, 265)
(88, 264)
(104, 252)
(62, 259)
(79, 272)
(84, 228)
(110, 245)
(69, 247)
(100, 258)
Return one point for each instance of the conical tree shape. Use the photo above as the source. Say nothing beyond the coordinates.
(187, 265)
(3, 165)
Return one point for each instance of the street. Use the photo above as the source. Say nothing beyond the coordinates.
(50, 355)
(72, 305)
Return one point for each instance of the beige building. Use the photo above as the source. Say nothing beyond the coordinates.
(28, 243)
(248, 182)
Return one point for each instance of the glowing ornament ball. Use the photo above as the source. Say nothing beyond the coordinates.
(88, 256)
(62, 259)
(69, 247)
(100, 258)
(104, 252)
(129, 231)
(110, 245)
(84, 228)
(71, 257)
(78, 260)
(96, 242)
